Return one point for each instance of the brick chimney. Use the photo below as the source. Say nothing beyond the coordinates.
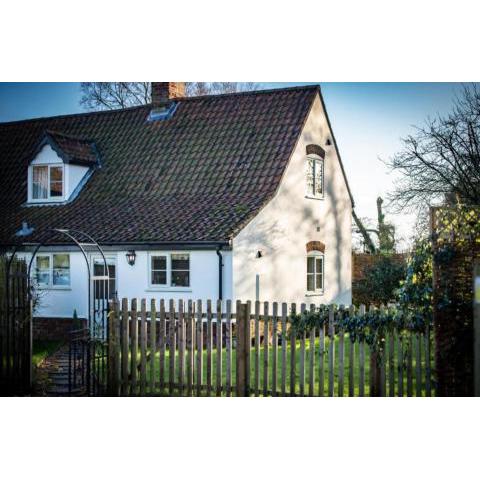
(163, 92)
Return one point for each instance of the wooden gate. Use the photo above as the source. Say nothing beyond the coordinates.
(15, 329)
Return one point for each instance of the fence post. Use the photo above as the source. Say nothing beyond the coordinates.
(375, 365)
(113, 366)
(476, 326)
(243, 339)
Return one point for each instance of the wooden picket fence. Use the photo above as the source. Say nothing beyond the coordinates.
(205, 349)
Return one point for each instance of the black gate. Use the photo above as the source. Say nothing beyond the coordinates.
(15, 328)
(87, 351)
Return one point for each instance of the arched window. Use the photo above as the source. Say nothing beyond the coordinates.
(315, 272)
(314, 186)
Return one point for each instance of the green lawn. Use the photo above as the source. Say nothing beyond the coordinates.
(42, 349)
(298, 382)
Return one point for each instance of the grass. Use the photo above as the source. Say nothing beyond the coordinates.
(42, 349)
(356, 371)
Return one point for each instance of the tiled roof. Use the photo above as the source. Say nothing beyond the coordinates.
(79, 151)
(199, 176)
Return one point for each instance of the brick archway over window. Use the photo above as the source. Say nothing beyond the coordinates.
(315, 245)
(315, 150)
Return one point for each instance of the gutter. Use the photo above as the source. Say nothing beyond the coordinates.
(220, 272)
(112, 246)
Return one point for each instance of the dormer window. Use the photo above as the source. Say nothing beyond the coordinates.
(61, 165)
(47, 182)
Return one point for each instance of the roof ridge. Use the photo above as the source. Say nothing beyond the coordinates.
(315, 86)
(182, 99)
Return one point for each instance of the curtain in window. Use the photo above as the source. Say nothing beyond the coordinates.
(40, 182)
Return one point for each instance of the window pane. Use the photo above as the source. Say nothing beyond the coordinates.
(319, 265)
(180, 278)
(43, 262)
(98, 269)
(310, 175)
(319, 177)
(319, 282)
(61, 276)
(61, 260)
(310, 283)
(56, 184)
(56, 189)
(42, 273)
(310, 264)
(159, 277)
(61, 269)
(40, 182)
(43, 277)
(180, 262)
(159, 263)
(111, 271)
(56, 174)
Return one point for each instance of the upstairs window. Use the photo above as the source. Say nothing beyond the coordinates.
(314, 177)
(315, 273)
(47, 182)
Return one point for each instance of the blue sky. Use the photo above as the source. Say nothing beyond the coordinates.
(368, 120)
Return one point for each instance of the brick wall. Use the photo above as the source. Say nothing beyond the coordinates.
(453, 314)
(55, 328)
(453, 321)
(361, 263)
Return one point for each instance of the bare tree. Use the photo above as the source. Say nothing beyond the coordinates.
(114, 95)
(384, 231)
(441, 161)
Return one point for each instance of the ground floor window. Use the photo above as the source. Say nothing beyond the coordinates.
(52, 270)
(315, 272)
(170, 270)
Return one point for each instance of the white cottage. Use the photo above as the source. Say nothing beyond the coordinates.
(236, 196)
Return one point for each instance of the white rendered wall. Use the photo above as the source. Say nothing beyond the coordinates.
(73, 176)
(133, 282)
(284, 226)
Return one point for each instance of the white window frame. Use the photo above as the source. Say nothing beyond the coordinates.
(50, 285)
(49, 198)
(168, 286)
(150, 270)
(317, 160)
(315, 254)
(111, 260)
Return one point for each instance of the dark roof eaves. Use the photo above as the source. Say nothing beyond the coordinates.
(338, 151)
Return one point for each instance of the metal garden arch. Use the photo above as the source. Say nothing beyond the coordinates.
(87, 350)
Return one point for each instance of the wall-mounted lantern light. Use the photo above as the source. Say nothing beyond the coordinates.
(131, 257)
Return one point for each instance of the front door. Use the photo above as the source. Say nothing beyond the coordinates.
(104, 290)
